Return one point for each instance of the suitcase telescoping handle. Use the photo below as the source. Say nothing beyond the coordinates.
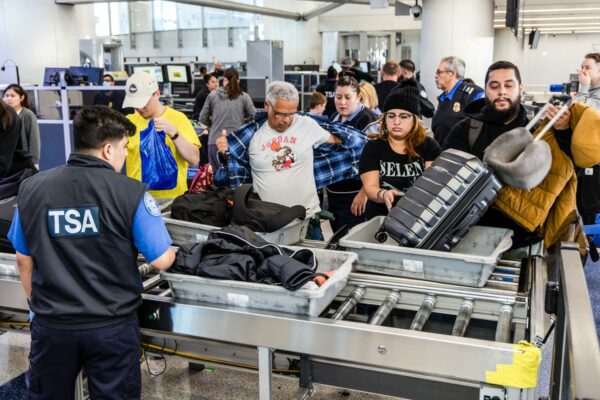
(551, 123)
(519, 159)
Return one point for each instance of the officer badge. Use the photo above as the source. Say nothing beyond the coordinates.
(132, 88)
(456, 107)
(151, 205)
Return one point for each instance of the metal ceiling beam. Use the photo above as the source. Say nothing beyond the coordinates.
(232, 6)
(367, 2)
(321, 10)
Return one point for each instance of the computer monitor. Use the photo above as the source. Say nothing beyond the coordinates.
(365, 66)
(52, 76)
(155, 70)
(179, 73)
(87, 75)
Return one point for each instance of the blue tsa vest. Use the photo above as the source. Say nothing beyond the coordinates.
(77, 222)
(450, 112)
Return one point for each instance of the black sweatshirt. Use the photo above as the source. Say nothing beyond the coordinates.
(13, 158)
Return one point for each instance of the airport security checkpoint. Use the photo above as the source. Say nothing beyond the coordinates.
(300, 200)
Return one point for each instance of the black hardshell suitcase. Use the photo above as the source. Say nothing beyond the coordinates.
(7, 209)
(442, 205)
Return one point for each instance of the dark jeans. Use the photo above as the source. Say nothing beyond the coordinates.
(339, 205)
(110, 357)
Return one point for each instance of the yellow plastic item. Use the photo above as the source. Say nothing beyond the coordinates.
(523, 371)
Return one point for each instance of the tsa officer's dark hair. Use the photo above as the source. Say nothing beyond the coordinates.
(503, 65)
(94, 126)
(332, 73)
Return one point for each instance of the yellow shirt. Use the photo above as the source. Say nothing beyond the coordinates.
(134, 162)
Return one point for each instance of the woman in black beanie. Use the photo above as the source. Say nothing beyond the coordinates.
(391, 163)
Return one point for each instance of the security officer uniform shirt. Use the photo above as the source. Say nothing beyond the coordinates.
(451, 107)
(328, 90)
(83, 224)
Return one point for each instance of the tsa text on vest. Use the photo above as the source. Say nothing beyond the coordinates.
(73, 221)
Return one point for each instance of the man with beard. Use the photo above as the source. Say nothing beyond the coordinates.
(501, 112)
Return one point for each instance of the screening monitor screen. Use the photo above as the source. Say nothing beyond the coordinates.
(51, 75)
(87, 75)
(155, 70)
(178, 73)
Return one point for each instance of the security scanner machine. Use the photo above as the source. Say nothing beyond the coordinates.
(394, 335)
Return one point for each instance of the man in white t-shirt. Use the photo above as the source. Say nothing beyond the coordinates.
(281, 151)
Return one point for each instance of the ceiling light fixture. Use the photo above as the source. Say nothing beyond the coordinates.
(553, 10)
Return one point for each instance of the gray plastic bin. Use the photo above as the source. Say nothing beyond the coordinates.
(470, 263)
(268, 297)
(185, 232)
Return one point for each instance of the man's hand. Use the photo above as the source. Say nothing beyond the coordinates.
(563, 122)
(221, 142)
(333, 140)
(584, 77)
(165, 126)
(359, 204)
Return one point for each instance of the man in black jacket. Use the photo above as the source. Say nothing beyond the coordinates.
(488, 118)
(407, 71)
(327, 88)
(389, 80)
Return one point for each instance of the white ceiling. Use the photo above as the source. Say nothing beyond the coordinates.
(555, 16)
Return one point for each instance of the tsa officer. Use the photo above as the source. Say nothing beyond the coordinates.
(77, 232)
(457, 95)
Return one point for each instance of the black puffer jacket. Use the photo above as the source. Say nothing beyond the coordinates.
(236, 253)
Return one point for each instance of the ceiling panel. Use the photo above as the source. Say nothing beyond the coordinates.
(555, 16)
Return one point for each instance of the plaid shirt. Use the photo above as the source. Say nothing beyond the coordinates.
(332, 162)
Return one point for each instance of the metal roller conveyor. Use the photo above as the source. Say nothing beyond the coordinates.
(351, 301)
(423, 313)
(145, 269)
(411, 351)
(8, 265)
(463, 318)
(385, 308)
(504, 324)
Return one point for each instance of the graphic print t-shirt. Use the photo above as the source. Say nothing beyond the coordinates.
(395, 170)
(282, 163)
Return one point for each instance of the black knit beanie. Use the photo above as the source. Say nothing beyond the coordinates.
(405, 96)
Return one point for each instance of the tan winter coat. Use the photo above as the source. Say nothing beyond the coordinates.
(550, 207)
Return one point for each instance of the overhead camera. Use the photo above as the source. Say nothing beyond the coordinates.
(416, 11)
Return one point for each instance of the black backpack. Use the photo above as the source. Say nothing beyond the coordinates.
(210, 207)
(262, 216)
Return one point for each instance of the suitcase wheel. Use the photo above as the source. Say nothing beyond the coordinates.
(381, 236)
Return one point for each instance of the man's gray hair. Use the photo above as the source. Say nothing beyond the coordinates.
(455, 64)
(280, 90)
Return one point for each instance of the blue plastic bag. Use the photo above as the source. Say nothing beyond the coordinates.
(159, 168)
